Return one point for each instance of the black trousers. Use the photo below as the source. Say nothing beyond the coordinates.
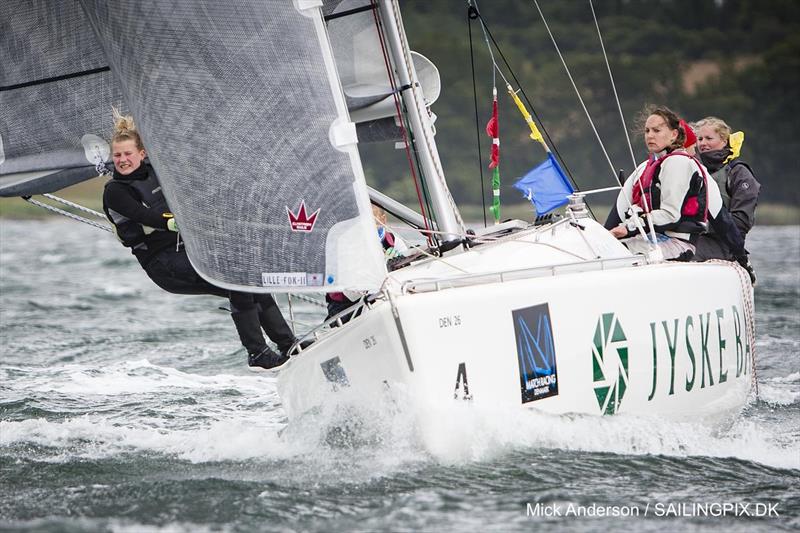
(172, 271)
(337, 306)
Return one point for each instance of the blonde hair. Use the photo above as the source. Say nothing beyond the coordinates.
(379, 215)
(718, 125)
(125, 129)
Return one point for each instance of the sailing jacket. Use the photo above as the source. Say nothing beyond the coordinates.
(737, 184)
(669, 209)
(135, 206)
(675, 191)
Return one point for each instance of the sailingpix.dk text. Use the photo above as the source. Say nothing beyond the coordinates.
(657, 509)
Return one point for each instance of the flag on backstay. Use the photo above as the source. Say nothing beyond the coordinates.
(546, 186)
(493, 131)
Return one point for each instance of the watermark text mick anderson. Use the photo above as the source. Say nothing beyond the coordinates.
(658, 509)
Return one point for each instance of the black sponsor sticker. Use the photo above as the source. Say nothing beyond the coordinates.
(536, 352)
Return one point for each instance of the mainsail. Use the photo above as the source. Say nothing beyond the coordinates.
(243, 117)
(56, 92)
(362, 65)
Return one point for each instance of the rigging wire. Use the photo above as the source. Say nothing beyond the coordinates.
(613, 85)
(470, 12)
(403, 130)
(426, 133)
(550, 141)
(426, 195)
(495, 68)
(577, 92)
(528, 100)
(104, 227)
(75, 206)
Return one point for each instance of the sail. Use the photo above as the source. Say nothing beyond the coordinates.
(362, 68)
(244, 119)
(56, 92)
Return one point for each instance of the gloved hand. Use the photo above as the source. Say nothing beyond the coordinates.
(172, 225)
(744, 262)
(634, 213)
(391, 253)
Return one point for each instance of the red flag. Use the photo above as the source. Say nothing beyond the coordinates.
(493, 131)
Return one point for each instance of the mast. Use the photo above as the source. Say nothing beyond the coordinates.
(447, 216)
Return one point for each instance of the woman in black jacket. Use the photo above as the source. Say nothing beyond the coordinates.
(738, 186)
(135, 205)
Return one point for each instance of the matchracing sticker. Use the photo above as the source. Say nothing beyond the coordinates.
(535, 352)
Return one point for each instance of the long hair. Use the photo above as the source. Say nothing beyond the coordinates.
(125, 129)
(671, 119)
(718, 125)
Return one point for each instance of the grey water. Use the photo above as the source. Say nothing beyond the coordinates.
(126, 409)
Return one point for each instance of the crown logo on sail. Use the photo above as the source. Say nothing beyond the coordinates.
(300, 221)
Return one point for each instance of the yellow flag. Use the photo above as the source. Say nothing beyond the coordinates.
(535, 135)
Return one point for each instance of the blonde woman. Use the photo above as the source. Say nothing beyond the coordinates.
(719, 151)
(135, 205)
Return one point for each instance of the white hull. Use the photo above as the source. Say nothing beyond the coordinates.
(667, 339)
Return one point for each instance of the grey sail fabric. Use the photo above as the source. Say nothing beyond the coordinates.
(56, 93)
(239, 108)
(362, 66)
(25, 184)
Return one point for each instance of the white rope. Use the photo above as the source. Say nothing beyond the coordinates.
(613, 85)
(749, 316)
(750, 322)
(308, 299)
(67, 214)
(291, 312)
(75, 206)
(577, 92)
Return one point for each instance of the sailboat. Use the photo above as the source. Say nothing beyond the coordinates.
(253, 112)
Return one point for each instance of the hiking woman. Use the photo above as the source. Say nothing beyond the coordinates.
(135, 204)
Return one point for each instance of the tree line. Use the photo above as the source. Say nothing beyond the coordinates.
(735, 59)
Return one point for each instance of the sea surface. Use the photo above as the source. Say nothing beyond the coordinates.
(126, 409)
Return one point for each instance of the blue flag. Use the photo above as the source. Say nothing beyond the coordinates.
(545, 186)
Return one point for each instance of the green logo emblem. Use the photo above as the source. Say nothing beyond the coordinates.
(610, 363)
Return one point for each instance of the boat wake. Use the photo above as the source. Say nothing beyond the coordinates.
(139, 407)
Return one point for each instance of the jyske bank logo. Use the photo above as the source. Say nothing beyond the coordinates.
(610, 363)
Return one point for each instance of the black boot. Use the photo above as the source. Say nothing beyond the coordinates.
(274, 324)
(267, 359)
(246, 322)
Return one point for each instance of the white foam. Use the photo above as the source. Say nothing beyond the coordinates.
(777, 395)
(218, 426)
(780, 390)
(120, 290)
(794, 377)
(465, 433)
(95, 437)
(52, 259)
(130, 377)
(114, 525)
